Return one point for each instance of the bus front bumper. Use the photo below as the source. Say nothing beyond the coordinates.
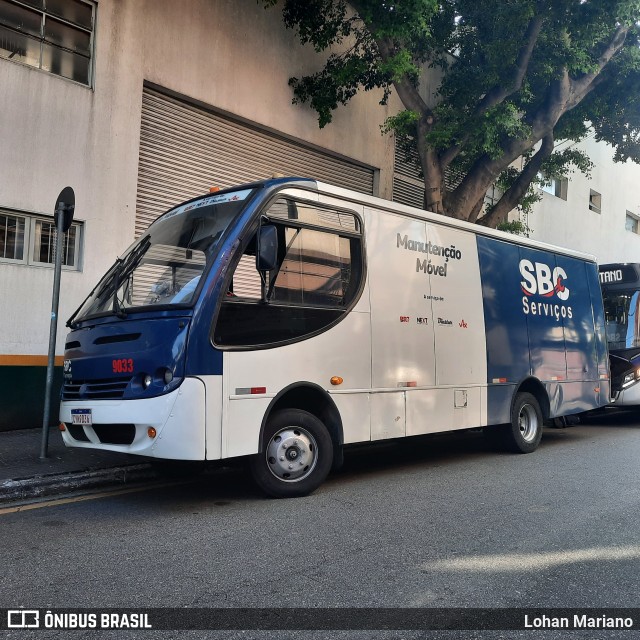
(171, 426)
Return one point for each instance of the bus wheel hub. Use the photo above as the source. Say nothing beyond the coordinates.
(291, 454)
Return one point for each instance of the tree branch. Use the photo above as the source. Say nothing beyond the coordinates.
(513, 195)
(407, 92)
(583, 85)
(500, 93)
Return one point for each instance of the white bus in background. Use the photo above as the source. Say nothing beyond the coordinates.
(285, 319)
(620, 284)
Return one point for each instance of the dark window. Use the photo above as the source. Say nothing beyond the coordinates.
(316, 280)
(55, 36)
(45, 244)
(12, 232)
(622, 317)
(631, 223)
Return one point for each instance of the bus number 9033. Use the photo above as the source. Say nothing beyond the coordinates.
(122, 365)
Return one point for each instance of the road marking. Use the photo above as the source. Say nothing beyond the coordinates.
(84, 498)
(536, 561)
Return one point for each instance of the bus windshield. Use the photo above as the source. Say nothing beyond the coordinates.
(622, 318)
(163, 267)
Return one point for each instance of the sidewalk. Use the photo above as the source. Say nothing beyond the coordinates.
(24, 477)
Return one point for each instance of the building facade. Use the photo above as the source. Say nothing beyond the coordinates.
(137, 105)
(598, 214)
(140, 104)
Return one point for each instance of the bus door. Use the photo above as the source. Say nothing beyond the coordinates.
(458, 319)
(307, 324)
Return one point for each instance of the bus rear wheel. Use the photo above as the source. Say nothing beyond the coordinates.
(296, 457)
(525, 431)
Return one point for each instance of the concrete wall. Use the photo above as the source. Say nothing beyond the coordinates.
(570, 222)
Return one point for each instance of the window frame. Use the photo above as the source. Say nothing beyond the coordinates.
(29, 249)
(25, 248)
(593, 197)
(558, 187)
(359, 265)
(42, 40)
(636, 219)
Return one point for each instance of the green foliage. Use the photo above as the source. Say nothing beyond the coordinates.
(498, 99)
(525, 206)
(565, 161)
(517, 227)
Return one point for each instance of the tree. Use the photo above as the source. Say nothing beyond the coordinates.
(517, 76)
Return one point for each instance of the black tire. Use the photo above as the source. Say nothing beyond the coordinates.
(525, 431)
(296, 456)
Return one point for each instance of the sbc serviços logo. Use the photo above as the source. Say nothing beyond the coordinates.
(539, 279)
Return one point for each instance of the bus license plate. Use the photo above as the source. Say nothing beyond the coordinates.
(81, 417)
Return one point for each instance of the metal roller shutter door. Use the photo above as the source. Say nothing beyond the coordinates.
(185, 150)
(408, 184)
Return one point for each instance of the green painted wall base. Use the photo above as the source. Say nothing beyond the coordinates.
(22, 392)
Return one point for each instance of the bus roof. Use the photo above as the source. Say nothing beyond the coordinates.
(395, 207)
(357, 197)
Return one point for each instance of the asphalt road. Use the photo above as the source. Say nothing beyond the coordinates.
(440, 521)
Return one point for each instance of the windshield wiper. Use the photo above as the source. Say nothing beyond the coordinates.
(97, 291)
(127, 264)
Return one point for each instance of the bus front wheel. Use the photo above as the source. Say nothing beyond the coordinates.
(296, 457)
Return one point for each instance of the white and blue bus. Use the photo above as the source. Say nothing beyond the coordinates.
(285, 319)
(621, 293)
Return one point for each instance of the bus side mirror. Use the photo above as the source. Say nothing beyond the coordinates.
(267, 253)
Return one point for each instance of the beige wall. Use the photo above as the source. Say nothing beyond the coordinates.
(570, 222)
(230, 54)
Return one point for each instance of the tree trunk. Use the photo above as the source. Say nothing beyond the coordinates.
(430, 163)
(512, 196)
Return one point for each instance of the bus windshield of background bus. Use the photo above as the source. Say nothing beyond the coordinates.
(622, 319)
(164, 266)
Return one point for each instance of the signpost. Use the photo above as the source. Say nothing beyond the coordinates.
(63, 216)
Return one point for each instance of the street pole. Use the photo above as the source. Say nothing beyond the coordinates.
(65, 205)
(53, 329)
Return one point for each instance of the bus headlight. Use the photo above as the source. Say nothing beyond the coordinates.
(629, 379)
(163, 376)
(146, 381)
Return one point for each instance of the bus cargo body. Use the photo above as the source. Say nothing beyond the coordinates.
(284, 319)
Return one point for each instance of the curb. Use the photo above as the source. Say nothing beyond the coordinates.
(25, 489)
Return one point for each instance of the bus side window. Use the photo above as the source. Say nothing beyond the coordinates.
(316, 281)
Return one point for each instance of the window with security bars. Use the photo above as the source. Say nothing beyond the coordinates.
(52, 35)
(12, 233)
(31, 240)
(45, 244)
